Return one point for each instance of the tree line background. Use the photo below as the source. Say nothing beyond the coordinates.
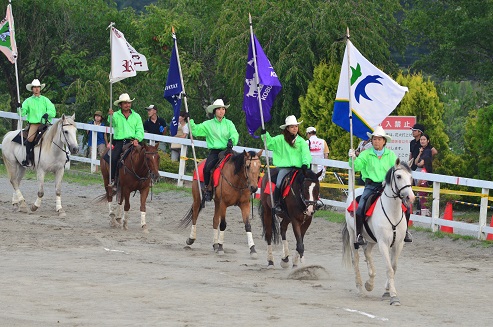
(441, 50)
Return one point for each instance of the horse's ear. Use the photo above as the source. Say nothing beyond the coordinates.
(260, 153)
(319, 173)
(397, 161)
(63, 117)
(73, 117)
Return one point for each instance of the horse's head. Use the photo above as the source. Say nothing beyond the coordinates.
(310, 189)
(399, 178)
(252, 168)
(152, 160)
(68, 130)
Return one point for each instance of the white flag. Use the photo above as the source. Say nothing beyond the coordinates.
(374, 95)
(125, 61)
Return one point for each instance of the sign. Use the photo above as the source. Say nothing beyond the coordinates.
(399, 129)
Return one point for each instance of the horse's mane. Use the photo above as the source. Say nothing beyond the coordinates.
(51, 132)
(309, 175)
(239, 160)
(402, 165)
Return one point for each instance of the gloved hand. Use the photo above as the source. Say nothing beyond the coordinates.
(304, 168)
(45, 117)
(263, 132)
(230, 144)
(352, 154)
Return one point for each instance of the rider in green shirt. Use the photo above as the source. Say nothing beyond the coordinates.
(373, 164)
(38, 109)
(220, 134)
(289, 150)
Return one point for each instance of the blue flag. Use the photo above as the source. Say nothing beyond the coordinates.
(269, 87)
(173, 89)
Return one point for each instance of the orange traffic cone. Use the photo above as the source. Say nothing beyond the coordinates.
(410, 223)
(489, 237)
(448, 215)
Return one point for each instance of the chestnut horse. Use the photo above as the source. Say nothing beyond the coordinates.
(385, 228)
(299, 205)
(138, 171)
(237, 181)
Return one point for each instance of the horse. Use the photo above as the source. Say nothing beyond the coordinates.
(138, 171)
(299, 205)
(237, 180)
(386, 228)
(49, 156)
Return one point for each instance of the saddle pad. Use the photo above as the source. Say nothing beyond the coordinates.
(200, 167)
(267, 188)
(217, 171)
(286, 190)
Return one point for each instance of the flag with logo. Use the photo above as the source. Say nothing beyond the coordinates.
(173, 88)
(125, 61)
(7, 36)
(374, 95)
(269, 87)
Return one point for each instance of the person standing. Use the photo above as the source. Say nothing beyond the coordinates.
(182, 132)
(155, 124)
(318, 149)
(418, 130)
(220, 134)
(101, 139)
(424, 164)
(289, 150)
(127, 128)
(373, 165)
(39, 110)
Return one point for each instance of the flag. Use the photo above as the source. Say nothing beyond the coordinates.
(173, 88)
(125, 61)
(7, 36)
(374, 95)
(269, 86)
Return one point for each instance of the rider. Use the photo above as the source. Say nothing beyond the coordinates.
(289, 150)
(127, 127)
(220, 134)
(373, 164)
(39, 109)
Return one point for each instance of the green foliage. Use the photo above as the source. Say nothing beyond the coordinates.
(166, 164)
(479, 142)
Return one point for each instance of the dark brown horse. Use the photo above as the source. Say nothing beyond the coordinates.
(238, 179)
(298, 206)
(139, 170)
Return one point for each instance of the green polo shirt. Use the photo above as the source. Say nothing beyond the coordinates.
(284, 155)
(35, 107)
(373, 167)
(130, 128)
(217, 133)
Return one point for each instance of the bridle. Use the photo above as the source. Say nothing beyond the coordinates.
(141, 179)
(304, 202)
(67, 153)
(246, 169)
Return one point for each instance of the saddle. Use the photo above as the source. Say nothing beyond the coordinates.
(286, 182)
(224, 156)
(41, 130)
(369, 205)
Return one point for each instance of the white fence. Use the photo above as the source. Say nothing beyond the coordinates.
(479, 230)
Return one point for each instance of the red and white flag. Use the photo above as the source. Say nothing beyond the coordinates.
(125, 61)
(7, 36)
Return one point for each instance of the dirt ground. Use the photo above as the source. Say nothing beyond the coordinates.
(77, 271)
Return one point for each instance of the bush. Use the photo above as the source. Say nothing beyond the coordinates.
(165, 163)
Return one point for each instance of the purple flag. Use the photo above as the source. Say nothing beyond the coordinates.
(173, 89)
(269, 86)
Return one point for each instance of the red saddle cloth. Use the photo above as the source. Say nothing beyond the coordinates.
(354, 206)
(217, 171)
(286, 190)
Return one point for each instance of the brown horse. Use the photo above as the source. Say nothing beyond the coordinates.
(138, 171)
(237, 181)
(298, 206)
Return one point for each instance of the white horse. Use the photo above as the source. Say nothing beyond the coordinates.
(388, 227)
(49, 156)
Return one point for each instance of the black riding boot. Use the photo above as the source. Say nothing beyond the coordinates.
(277, 202)
(359, 227)
(408, 238)
(29, 149)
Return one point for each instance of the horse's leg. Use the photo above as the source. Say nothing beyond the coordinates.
(143, 198)
(126, 208)
(215, 225)
(285, 245)
(394, 300)
(41, 192)
(58, 193)
(222, 228)
(195, 213)
(268, 225)
(245, 213)
(370, 283)
(300, 247)
(18, 201)
(390, 284)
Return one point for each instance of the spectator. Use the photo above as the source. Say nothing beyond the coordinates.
(415, 145)
(318, 149)
(101, 139)
(155, 124)
(182, 132)
(424, 164)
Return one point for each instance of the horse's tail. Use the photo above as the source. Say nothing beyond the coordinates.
(347, 258)
(187, 219)
(100, 198)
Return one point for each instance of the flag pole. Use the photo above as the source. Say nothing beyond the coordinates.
(254, 52)
(184, 95)
(352, 173)
(111, 106)
(14, 55)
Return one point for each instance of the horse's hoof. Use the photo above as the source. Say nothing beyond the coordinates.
(62, 213)
(119, 221)
(125, 225)
(33, 208)
(15, 207)
(145, 230)
(253, 253)
(386, 296)
(215, 246)
(285, 262)
(190, 241)
(220, 250)
(295, 266)
(394, 300)
(112, 215)
(270, 264)
(368, 287)
(114, 224)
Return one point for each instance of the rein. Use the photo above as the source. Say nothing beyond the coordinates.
(140, 179)
(66, 142)
(245, 173)
(304, 202)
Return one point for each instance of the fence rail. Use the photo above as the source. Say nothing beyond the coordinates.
(479, 230)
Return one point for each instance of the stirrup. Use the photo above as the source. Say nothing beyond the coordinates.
(360, 240)
(278, 209)
(26, 163)
(208, 195)
(408, 238)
